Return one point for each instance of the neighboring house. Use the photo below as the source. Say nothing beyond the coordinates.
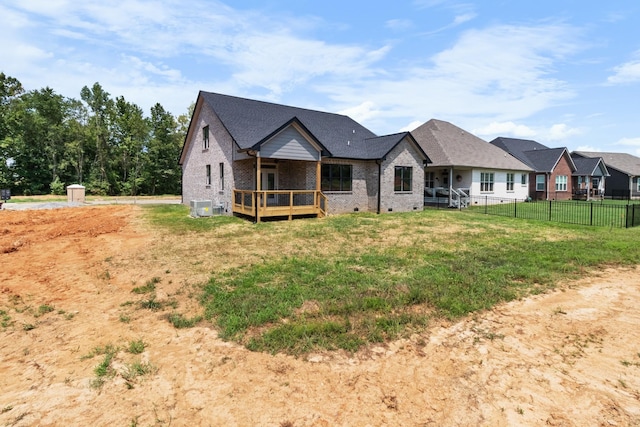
(624, 170)
(589, 177)
(465, 165)
(553, 168)
(261, 159)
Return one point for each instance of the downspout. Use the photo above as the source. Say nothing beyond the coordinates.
(379, 186)
(379, 162)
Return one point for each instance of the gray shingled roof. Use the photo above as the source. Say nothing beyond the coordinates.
(251, 122)
(588, 166)
(451, 146)
(381, 145)
(517, 148)
(539, 157)
(546, 160)
(623, 162)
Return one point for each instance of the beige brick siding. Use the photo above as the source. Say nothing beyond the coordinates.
(293, 175)
(194, 185)
(364, 174)
(404, 154)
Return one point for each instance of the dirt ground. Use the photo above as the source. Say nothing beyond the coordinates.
(567, 358)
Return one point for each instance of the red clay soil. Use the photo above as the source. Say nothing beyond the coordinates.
(567, 358)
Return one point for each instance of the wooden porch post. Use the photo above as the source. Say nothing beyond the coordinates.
(318, 180)
(258, 187)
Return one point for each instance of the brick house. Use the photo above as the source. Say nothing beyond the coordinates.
(259, 159)
(553, 168)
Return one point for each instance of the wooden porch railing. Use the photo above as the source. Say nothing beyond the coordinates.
(261, 204)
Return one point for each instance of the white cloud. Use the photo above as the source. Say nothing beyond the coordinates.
(135, 43)
(279, 61)
(144, 68)
(428, 3)
(588, 148)
(460, 82)
(461, 19)
(561, 131)
(363, 112)
(632, 142)
(175, 51)
(628, 72)
(411, 126)
(505, 128)
(399, 24)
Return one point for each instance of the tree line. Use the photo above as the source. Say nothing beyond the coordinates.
(48, 141)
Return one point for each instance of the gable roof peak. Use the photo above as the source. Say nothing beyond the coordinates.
(449, 145)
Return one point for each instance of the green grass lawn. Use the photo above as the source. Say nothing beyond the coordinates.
(348, 280)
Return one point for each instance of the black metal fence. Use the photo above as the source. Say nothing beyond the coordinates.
(604, 213)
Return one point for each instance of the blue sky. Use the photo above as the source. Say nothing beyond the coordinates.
(564, 73)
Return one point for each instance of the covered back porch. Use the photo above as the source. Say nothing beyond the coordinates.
(447, 186)
(280, 178)
(279, 203)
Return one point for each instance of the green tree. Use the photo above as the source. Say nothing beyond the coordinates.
(77, 143)
(101, 106)
(10, 91)
(39, 140)
(162, 172)
(130, 134)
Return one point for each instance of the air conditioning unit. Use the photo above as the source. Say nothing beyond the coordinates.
(201, 208)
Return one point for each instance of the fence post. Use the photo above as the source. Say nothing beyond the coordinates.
(486, 202)
(515, 208)
(591, 215)
(550, 202)
(626, 219)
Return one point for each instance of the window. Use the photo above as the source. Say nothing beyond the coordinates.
(486, 182)
(205, 137)
(561, 183)
(523, 179)
(403, 178)
(638, 180)
(510, 181)
(539, 182)
(208, 176)
(336, 177)
(429, 180)
(221, 176)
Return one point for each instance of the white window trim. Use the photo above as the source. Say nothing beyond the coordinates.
(490, 182)
(562, 181)
(512, 182)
